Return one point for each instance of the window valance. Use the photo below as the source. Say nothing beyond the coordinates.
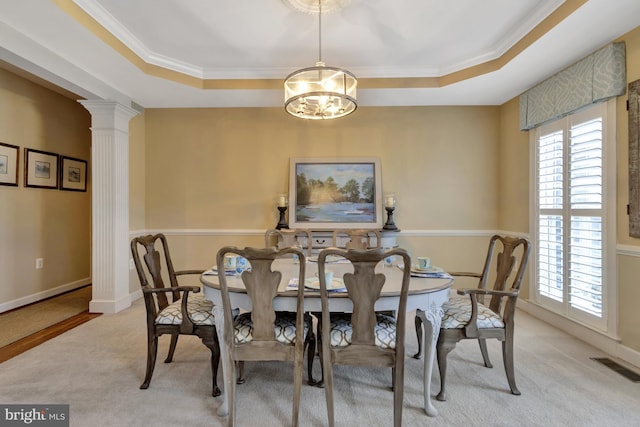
(599, 76)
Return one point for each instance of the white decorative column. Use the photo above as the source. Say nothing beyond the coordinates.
(109, 205)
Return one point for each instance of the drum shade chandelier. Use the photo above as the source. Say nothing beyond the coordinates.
(320, 92)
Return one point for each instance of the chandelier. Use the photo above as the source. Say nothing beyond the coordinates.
(320, 92)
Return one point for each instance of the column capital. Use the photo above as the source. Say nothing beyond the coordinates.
(107, 114)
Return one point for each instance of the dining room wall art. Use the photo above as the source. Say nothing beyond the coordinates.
(9, 161)
(40, 169)
(73, 174)
(331, 193)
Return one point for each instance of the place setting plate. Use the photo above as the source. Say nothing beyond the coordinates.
(432, 269)
(214, 271)
(336, 285)
(431, 272)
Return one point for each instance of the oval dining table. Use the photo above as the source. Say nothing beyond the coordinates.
(425, 293)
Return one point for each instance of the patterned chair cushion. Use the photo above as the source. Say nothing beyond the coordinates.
(200, 310)
(457, 312)
(284, 328)
(341, 330)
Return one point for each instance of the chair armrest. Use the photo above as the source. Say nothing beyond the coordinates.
(186, 327)
(477, 291)
(194, 289)
(471, 329)
(465, 274)
(183, 272)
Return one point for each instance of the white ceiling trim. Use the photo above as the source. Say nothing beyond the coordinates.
(117, 29)
(517, 33)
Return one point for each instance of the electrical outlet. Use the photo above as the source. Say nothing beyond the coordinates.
(39, 263)
(131, 265)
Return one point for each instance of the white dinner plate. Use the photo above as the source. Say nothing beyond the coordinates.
(432, 269)
(335, 285)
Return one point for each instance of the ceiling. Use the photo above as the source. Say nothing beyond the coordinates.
(236, 53)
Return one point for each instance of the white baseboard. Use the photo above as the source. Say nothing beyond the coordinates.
(10, 305)
(109, 306)
(136, 296)
(607, 344)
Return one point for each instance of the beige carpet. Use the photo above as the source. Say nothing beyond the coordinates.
(97, 369)
(24, 321)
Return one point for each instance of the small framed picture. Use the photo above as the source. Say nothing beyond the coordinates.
(9, 155)
(73, 174)
(40, 169)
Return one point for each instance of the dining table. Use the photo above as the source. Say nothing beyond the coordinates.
(427, 294)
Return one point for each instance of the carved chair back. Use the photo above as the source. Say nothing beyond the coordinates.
(252, 336)
(505, 264)
(376, 339)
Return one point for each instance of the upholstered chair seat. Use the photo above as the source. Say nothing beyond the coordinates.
(199, 309)
(342, 330)
(457, 313)
(284, 328)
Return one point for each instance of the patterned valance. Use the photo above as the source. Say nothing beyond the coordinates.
(597, 77)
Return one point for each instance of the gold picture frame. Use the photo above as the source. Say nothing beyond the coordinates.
(40, 169)
(9, 161)
(73, 174)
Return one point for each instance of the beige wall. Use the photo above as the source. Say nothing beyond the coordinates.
(220, 169)
(137, 165)
(514, 175)
(42, 223)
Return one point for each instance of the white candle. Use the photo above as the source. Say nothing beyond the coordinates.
(282, 201)
(389, 202)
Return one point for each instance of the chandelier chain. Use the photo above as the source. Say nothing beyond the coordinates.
(319, 30)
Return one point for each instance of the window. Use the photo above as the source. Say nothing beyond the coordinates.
(574, 195)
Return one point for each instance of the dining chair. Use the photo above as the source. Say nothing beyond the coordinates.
(298, 237)
(174, 309)
(356, 239)
(295, 238)
(264, 334)
(364, 336)
(468, 317)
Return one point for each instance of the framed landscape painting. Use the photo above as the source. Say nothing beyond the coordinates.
(9, 155)
(40, 169)
(335, 193)
(73, 174)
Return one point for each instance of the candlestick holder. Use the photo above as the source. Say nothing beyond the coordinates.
(282, 223)
(390, 225)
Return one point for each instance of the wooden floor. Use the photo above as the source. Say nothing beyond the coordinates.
(26, 343)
